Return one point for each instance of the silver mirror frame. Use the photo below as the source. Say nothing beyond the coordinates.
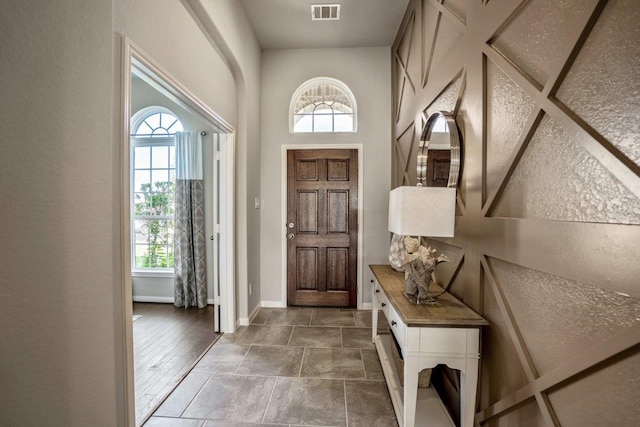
(454, 148)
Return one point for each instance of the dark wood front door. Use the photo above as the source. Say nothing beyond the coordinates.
(322, 227)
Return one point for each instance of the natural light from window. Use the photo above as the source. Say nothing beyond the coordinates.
(323, 105)
(153, 187)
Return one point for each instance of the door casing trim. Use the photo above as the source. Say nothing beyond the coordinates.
(283, 187)
(132, 55)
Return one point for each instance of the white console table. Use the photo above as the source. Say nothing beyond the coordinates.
(445, 333)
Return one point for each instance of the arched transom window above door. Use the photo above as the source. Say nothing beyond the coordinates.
(322, 105)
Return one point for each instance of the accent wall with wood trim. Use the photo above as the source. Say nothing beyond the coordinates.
(547, 244)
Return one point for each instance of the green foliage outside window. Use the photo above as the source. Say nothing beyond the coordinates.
(156, 235)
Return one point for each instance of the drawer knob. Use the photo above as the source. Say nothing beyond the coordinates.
(384, 305)
(394, 323)
(377, 291)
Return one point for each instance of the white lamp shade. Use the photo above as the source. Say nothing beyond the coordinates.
(422, 211)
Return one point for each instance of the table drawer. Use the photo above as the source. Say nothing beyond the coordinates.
(398, 328)
(395, 324)
(383, 301)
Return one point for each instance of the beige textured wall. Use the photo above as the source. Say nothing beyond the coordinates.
(366, 72)
(226, 23)
(546, 97)
(62, 345)
(57, 358)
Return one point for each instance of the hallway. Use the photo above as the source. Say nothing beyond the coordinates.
(290, 367)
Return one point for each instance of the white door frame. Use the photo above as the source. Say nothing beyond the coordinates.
(283, 186)
(159, 78)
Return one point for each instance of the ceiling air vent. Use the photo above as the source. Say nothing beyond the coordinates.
(325, 12)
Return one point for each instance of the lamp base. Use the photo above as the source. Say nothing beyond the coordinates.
(423, 301)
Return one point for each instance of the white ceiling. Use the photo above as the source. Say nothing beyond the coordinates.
(287, 24)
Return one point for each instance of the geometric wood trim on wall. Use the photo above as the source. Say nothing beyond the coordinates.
(543, 93)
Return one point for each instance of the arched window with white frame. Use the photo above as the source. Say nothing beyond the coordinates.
(153, 178)
(322, 104)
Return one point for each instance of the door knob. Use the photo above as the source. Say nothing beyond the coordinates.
(290, 236)
(291, 225)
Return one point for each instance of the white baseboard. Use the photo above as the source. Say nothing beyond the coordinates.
(164, 300)
(254, 313)
(367, 306)
(273, 304)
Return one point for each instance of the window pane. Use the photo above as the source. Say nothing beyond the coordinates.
(142, 256)
(176, 127)
(160, 132)
(167, 120)
(141, 228)
(142, 180)
(322, 123)
(343, 122)
(144, 129)
(302, 123)
(172, 157)
(159, 178)
(162, 204)
(160, 157)
(141, 158)
(153, 121)
(141, 204)
(170, 257)
(323, 99)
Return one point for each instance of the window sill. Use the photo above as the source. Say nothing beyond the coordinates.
(152, 273)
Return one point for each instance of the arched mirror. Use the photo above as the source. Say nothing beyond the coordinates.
(439, 152)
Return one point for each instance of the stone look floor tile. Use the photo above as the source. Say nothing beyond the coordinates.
(307, 402)
(173, 422)
(369, 404)
(333, 318)
(265, 335)
(289, 317)
(231, 338)
(363, 319)
(222, 359)
(315, 337)
(372, 366)
(232, 398)
(180, 398)
(261, 317)
(332, 363)
(218, 423)
(272, 361)
(243, 379)
(357, 338)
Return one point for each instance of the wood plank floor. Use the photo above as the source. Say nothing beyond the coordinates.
(167, 341)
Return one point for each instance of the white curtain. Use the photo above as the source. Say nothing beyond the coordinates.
(188, 155)
(190, 274)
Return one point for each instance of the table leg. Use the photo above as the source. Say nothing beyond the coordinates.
(410, 390)
(469, 380)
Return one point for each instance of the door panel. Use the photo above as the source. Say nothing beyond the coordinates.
(337, 268)
(338, 211)
(307, 212)
(322, 204)
(307, 266)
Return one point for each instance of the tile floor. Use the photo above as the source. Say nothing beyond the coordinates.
(290, 367)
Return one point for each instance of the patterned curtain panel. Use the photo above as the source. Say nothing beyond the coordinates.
(190, 274)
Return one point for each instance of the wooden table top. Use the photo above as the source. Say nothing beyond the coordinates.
(449, 311)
